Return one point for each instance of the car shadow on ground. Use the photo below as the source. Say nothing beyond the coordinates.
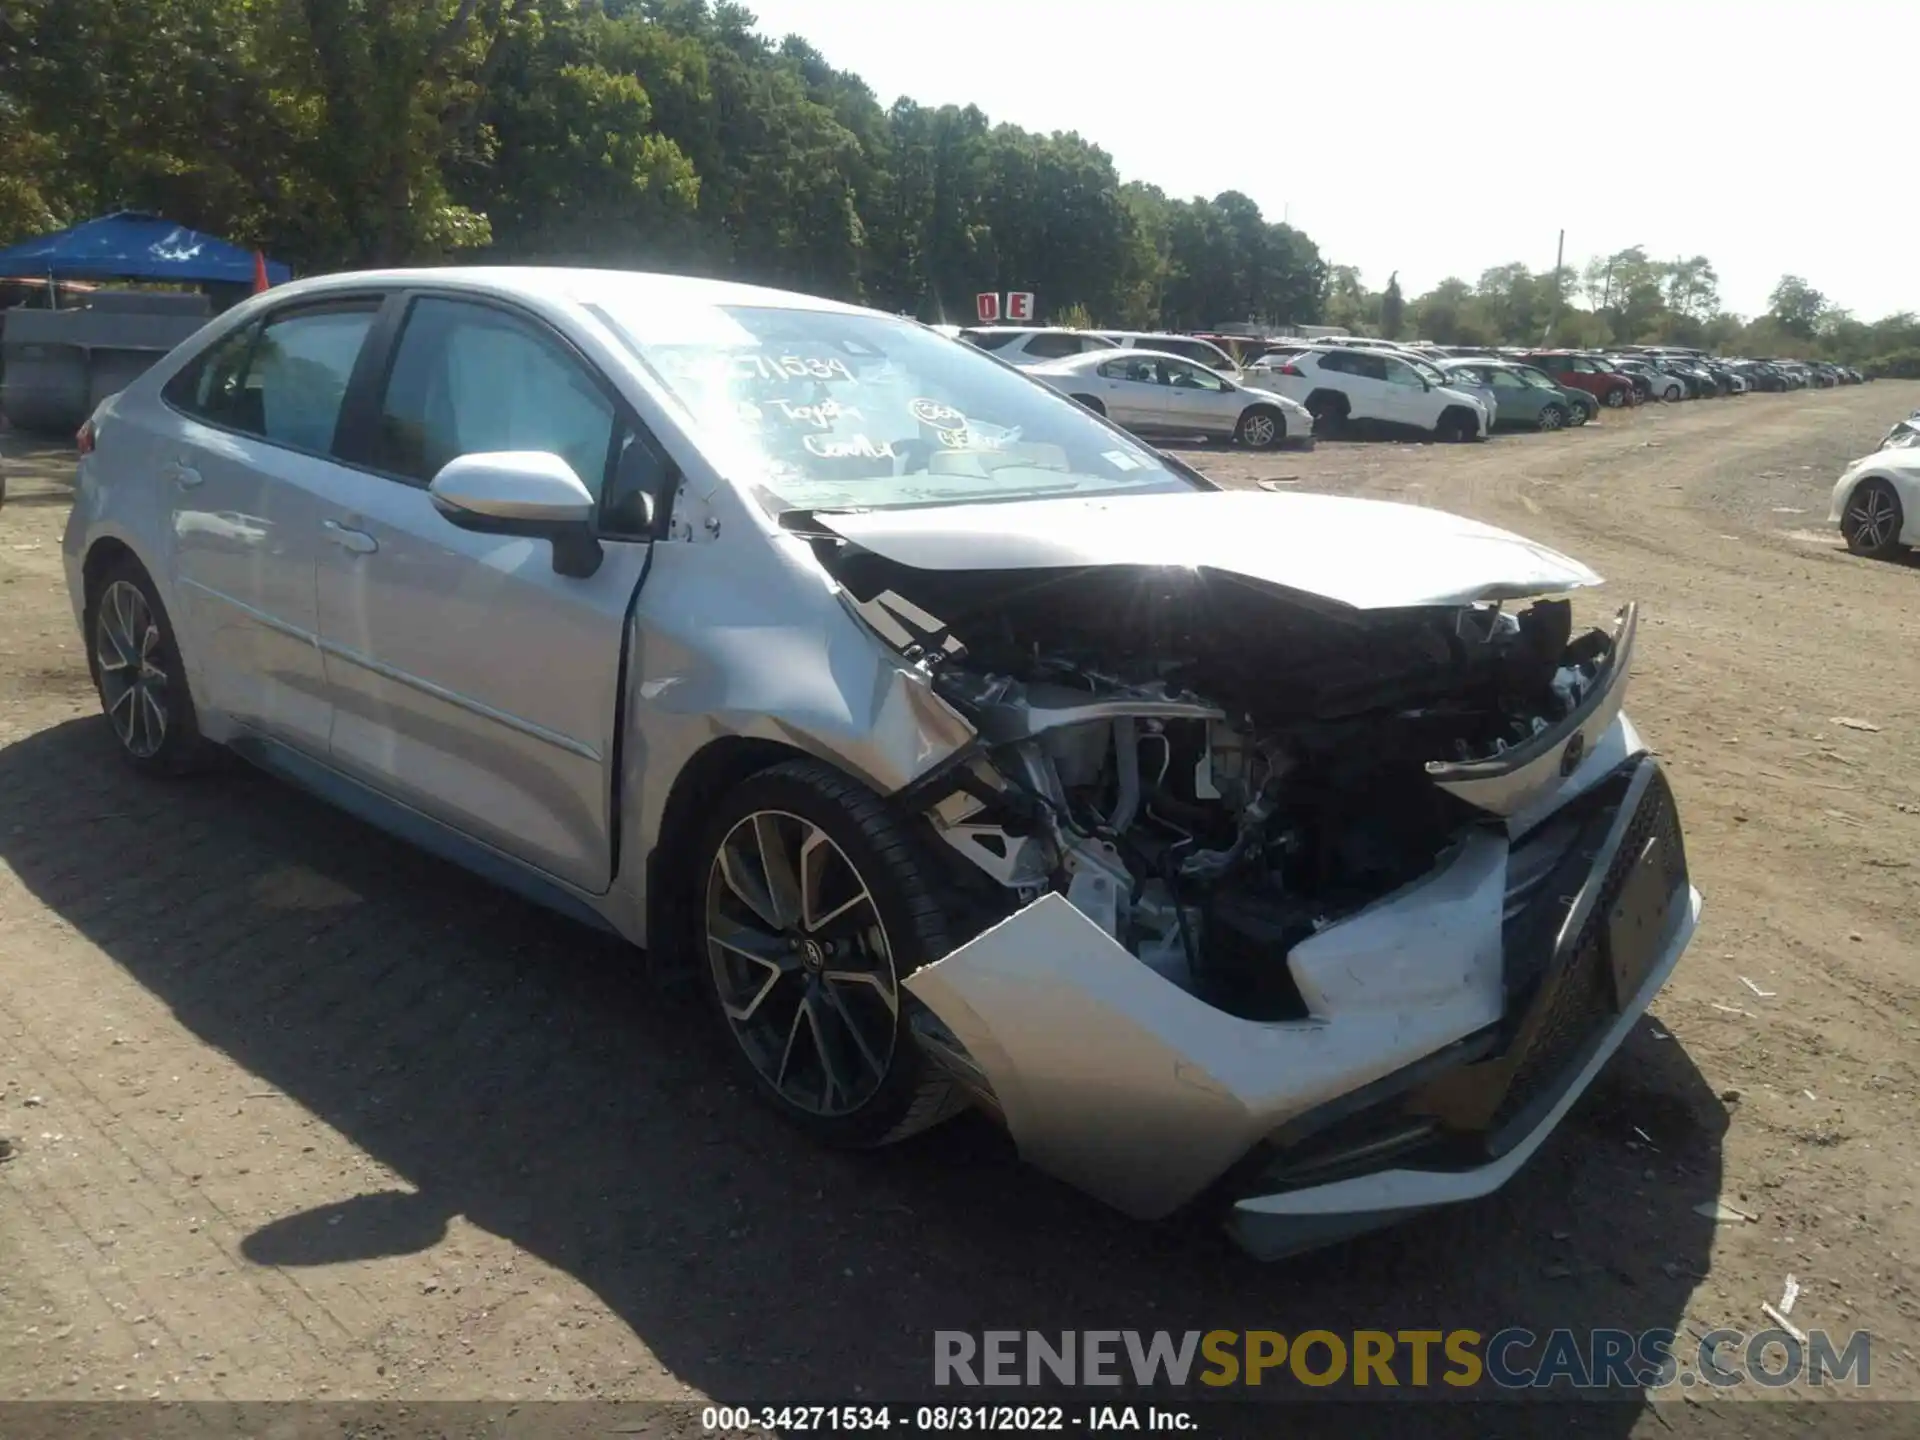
(519, 1071)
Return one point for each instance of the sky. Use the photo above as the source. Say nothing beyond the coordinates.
(1443, 137)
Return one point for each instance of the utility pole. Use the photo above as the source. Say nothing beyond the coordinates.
(1559, 260)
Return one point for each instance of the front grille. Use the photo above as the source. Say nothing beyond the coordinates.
(1575, 999)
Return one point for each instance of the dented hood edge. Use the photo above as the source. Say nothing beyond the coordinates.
(1365, 554)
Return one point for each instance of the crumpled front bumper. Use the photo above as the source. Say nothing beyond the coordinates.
(1451, 1025)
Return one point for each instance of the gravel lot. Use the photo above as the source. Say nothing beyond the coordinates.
(300, 1112)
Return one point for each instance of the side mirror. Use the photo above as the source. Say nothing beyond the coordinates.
(522, 492)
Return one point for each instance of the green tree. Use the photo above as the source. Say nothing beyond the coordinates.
(1393, 308)
(1796, 306)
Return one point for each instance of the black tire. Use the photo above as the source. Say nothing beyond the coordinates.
(156, 700)
(888, 862)
(1552, 417)
(1872, 520)
(1457, 426)
(1093, 403)
(1614, 398)
(1254, 435)
(1329, 409)
(1579, 415)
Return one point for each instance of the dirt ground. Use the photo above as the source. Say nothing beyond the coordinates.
(301, 1113)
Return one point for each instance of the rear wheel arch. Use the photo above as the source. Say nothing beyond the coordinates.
(105, 554)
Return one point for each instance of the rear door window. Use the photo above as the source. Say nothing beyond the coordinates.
(1052, 346)
(282, 380)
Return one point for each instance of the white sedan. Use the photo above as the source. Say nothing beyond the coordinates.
(1876, 503)
(1149, 392)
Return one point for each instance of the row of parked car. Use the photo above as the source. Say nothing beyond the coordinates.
(1672, 375)
(1275, 392)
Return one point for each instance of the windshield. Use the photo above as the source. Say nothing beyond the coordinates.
(822, 409)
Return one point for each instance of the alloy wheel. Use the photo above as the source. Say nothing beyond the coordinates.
(1551, 418)
(1258, 431)
(801, 963)
(1615, 399)
(1873, 518)
(133, 685)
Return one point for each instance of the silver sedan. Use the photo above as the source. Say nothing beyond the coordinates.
(1155, 393)
(961, 748)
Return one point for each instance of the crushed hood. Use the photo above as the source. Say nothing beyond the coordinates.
(1369, 554)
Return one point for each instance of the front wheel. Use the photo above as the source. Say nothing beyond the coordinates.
(1261, 429)
(1872, 521)
(1671, 394)
(1093, 403)
(1552, 417)
(816, 908)
(1457, 427)
(1614, 399)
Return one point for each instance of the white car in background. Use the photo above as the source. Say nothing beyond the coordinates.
(1149, 392)
(1349, 383)
(1189, 347)
(1449, 377)
(1876, 503)
(1025, 345)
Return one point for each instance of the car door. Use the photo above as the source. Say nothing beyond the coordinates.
(469, 679)
(248, 474)
(1130, 388)
(1363, 378)
(1517, 400)
(1409, 399)
(1197, 400)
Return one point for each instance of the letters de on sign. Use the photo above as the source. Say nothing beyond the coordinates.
(986, 305)
(1019, 305)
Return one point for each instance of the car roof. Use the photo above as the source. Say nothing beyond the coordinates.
(1158, 335)
(571, 285)
(1119, 352)
(1019, 329)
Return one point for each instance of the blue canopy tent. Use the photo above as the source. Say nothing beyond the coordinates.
(57, 365)
(130, 245)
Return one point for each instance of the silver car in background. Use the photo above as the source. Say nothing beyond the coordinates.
(1160, 393)
(1285, 852)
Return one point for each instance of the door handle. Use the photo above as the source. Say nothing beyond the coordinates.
(358, 541)
(182, 474)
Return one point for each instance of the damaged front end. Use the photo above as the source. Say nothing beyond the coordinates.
(1326, 910)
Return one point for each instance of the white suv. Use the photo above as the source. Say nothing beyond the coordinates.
(1025, 345)
(1342, 384)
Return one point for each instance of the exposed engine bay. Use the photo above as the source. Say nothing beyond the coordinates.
(1210, 768)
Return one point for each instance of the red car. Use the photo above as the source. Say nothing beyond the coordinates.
(1596, 377)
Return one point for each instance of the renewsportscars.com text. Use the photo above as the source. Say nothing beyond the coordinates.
(1435, 1360)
